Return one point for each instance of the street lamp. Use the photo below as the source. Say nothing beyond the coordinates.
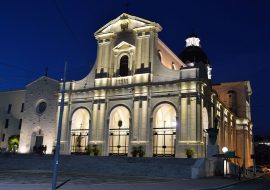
(224, 150)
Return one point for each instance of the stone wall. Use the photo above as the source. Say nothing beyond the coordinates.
(168, 167)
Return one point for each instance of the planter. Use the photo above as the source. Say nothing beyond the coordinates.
(190, 152)
(134, 151)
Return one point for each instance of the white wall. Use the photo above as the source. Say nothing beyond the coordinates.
(44, 89)
(15, 98)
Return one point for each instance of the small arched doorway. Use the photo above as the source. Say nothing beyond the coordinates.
(79, 130)
(37, 139)
(119, 131)
(164, 130)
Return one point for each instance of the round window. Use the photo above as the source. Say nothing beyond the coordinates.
(41, 107)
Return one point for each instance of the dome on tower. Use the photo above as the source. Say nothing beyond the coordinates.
(193, 52)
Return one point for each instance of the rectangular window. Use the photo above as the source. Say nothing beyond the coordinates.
(3, 137)
(9, 108)
(6, 124)
(22, 108)
(20, 124)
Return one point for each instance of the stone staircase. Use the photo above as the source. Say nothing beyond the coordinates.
(101, 165)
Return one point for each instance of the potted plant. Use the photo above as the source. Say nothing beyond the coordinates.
(95, 150)
(134, 151)
(88, 150)
(190, 152)
(141, 151)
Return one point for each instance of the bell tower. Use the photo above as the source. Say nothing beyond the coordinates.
(193, 40)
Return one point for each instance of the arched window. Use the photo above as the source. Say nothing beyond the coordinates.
(123, 70)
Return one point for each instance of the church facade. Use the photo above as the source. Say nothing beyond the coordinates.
(138, 95)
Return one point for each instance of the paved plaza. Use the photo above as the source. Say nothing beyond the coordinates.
(28, 180)
(34, 172)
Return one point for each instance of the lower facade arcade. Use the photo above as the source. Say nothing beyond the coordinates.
(154, 130)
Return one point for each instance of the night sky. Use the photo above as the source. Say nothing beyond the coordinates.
(234, 34)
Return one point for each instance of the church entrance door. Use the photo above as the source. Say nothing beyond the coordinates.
(79, 140)
(164, 131)
(79, 131)
(119, 131)
(39, 141)
(164, 142)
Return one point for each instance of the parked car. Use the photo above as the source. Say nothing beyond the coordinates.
(267, 169)
(262, 169)
(259, 168)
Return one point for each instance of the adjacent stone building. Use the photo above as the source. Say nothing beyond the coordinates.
(139, 94)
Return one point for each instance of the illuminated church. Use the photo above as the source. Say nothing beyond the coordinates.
(138, 94)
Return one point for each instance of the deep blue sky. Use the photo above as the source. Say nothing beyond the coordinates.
(45, 33)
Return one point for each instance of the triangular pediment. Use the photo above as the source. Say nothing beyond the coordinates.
(123, 46)
(126, 22)
(42, 78)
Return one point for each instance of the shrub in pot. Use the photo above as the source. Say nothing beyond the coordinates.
(141, 151)
(190, 152)
(134, 151)
(95, 150)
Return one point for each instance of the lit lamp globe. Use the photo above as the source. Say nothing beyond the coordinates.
(224, 149)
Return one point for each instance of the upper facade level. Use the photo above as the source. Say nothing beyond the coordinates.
(129, 52)
(126, 22)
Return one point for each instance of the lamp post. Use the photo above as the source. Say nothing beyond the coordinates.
(224, 150)
(59, 130)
